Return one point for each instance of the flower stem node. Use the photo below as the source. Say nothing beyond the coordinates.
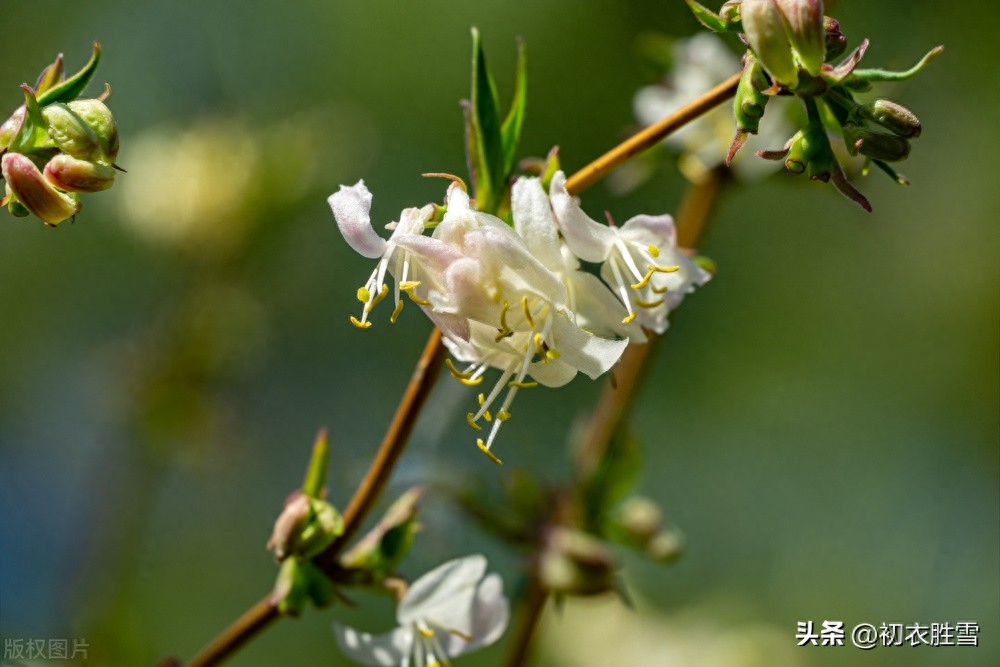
(576, 563)
(452, 610)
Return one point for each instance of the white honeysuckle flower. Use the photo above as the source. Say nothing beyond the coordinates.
(453, 609)
(516, 308)
(701, 62)
(351, 207)
(640, 260)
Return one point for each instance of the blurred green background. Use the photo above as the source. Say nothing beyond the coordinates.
(822, 423)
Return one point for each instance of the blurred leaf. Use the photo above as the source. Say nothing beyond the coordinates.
(377, 555)
(612, 479)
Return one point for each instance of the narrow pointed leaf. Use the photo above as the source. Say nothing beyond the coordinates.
(886, 75)
(486, 125)
(707, 17)
(50, 76)
(32, 133)
(316, 473)
(511, 129)
(72, 87)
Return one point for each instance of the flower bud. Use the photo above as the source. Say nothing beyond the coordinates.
(666, 546)
(576, 563)
(641, 518)
(806, 33)
(304, 528)
(766, 30)
(730, 11)
(84, 129)
(880, 145)
(11, 126)
(73, 175)
(836, 41)
(749, 102)
(35, 192)
(895, 117)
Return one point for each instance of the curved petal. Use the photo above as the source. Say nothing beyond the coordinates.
(598, 310)
(489, 616)
(586, 352)
(652, 227)
(552, 374)
(385, 650)
(589, 240)
(351, 206)
(534, 222)
(444, 595)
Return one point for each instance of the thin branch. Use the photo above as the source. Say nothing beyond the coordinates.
(261, 615)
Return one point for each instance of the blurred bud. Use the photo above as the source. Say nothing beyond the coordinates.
(766, 30)
(11, 126)
(30, 187)
(641, 519)
(84, 129)
(73, 175)
(895, 117)
(730, 11)
(666, 546)
(806, 33)
(836, 41)
(575, 563)
(304, 528)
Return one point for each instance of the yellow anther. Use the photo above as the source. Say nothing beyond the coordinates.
(409, 284)
(522, 385)
(527, 312)
(458, 633)
(457, 374)
(647, 304)
(645, 280)
(552, 354)
(501, 334)
(396, 311)
(487, 416)
(503, 318)
(359, 324)
(484, 450)
(664, 269)
(471, 419)
(659, 290)
(653, 251)
(364, 294)
(482, 399)
(378, 297)
(503, 416)
(426, 632)
(629, 319)
(416, 299)
(538, 343)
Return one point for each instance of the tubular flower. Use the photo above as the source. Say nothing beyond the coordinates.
(639, 260)
(451, 610)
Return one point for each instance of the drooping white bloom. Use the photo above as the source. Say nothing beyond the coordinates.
(451, 610)
(700, 63)
(639, 260)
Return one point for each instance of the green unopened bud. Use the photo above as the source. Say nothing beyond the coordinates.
(30, 187)
(304, 528)
(766, 31)
(641, 519)
(878, 145)
(84, 129)
(806, 34)
(749, 103)
(895, 117)
(810, 154)
(73, 175)
(666, 546)
(11, 126)
(730, 11)
(836, 41)
(576, 563)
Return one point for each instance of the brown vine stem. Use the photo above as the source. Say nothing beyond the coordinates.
(613, 404)
(265, 612)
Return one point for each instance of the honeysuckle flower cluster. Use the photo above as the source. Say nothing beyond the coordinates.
(791, 43)
(549, 296)
(56, 146)
(453, 609)
(698, 64)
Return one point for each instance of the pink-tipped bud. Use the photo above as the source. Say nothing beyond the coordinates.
(766, 30)
(73, 175)
(806, 32)
(35, 192)
(10, 127)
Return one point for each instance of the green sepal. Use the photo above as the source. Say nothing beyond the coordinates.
(711, 20)
(318, 464)
(486, 149)
(889, 171)
(72, 87)
(32, 135)
(552, 165)
(298, 584)
(511, 129)
(377, 555)
(871, 75)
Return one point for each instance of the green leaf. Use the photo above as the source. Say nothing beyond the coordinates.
(32, 135)
(316, 473)
(72, 87)
(710, 19)
(50, 76)
(511, 129)
(612, 479)
(488, 156)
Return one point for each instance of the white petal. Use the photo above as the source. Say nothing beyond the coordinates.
(589, 240)
(657, 229)
(598, 310)
(552, 374)
(586, 352)
(489, 616)
(384, 650)
(505, 257)
(351, 207)
(534, 222)
(444, 595)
